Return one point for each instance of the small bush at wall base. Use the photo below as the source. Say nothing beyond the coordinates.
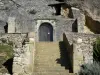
(90, 69)
(96, 49)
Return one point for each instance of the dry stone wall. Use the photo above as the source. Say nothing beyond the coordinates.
(24, 57)
(82, 48)
(16, 40)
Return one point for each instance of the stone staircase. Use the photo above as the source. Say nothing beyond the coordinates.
(46, 60)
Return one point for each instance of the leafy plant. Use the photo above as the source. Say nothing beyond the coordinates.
(96, 49)
(90, 69)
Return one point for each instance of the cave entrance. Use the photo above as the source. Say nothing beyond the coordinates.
(6, 28)
(57, 6)
(75, 26)
(58, 9)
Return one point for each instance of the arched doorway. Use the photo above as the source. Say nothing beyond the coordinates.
(46, 32)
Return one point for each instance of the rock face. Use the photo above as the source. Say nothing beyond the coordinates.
(25, 11)
(2, 26)
(91, 10)
(90, 6)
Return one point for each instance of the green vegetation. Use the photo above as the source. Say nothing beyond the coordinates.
(90, 69)
(6, 52)
(93, 68)
(96, 48)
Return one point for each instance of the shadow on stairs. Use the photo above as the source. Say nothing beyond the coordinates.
(64, 57)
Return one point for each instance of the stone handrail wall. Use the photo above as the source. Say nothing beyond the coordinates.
(16, 40)
(32, 40)
(82, 50)
(23, 64)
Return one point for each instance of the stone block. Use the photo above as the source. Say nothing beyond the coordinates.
(76, 69)
(17, 69)
(81, 23)
(11, 25)
(79, 57)
(76, 12)
(78, 62)
(31, 34)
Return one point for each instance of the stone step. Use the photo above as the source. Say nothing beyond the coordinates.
(47, 43)
(71, 74)
(53, 70)
(46, 64)
(44, 48)
(50, 66)
(49, 69)
(46, 57)
(43, 57)
(46, 61)
(48, 52)
(49, 55)
(51, 73)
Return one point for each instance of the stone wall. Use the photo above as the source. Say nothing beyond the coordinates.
(80, 20)
(16, 40)
(63, 25)
(24, 56)
(24, 48)
(82, 48)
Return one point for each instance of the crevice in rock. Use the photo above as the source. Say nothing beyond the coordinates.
(75, 26)
(92, 24)
(8, 65)
(6, 28)
(70, 15)
(58, 9)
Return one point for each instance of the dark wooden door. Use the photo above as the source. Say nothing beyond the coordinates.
(46, 32)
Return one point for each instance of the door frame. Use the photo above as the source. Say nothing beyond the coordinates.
(49, 28)
(39, 23)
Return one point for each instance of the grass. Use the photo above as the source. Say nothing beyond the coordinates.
(6, 52)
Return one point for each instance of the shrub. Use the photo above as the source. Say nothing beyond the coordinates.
(90, 69)
(3, 40)
(96, 49)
